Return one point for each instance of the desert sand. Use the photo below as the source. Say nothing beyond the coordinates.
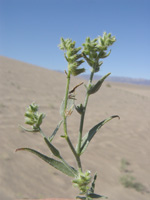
(24, 176)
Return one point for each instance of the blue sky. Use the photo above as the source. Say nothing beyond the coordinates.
(30, 31)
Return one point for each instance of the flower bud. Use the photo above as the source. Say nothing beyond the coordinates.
(29, 115)
(40, 119)
(79, 108)
(33, 107)
(82, 181)
(32, 117)
(62, 44)
(71, 44)
(74, 57)
(29, 121)
(76, 72)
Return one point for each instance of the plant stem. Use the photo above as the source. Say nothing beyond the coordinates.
(65, 104)
(42, 133)
(65, 122)
(74, 152)
(83, 115)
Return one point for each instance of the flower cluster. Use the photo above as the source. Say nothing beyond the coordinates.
(82, 181)
(95, 49)
(72, 56)
(32, 117)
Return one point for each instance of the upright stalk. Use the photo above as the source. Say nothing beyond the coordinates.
(83, 115)
(65, 123)
(65, 104)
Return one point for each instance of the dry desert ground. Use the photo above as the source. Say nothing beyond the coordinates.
(24, 176)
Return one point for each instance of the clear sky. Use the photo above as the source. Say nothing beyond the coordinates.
(30, 31)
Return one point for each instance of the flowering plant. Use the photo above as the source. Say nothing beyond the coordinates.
(92, 52)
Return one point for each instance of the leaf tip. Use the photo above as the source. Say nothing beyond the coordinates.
(118, 116)
(19, 149)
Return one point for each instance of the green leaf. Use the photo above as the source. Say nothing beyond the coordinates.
(75, 71)
(79, 108)
(56, 164)
(40, 119)
(94, 88)
(79, 197)
(30, 130)
(88, 137)
(105, 55)
(96, 196)
(55, 131)
(52, 148)
(57, 154)
(93, 184)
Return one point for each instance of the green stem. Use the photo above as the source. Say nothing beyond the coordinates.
(83, 115)
(65, 104)
(74, 152)
(42, 133)
(65, 122)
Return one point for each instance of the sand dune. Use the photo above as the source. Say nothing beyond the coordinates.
(23, 175)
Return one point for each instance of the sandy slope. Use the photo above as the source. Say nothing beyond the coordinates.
(23, 175)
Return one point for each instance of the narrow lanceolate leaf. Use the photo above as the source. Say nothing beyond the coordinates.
(57, 154)
(55, 131)
(93, 184)
(79, 197)
(30, 130)
(56, 164)
(94, 88)
(52, 148)
(96, 196)
(88, 137)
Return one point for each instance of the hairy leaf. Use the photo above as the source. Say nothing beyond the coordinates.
(96, 196)
(79, 197)
(56, 164)
(94, 88)
(88, 137)
(55, 131)
(93, 184)
(52, 148)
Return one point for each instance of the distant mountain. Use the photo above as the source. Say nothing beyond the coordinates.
(122, 79)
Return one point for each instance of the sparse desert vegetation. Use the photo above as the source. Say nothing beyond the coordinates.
(128, 179)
